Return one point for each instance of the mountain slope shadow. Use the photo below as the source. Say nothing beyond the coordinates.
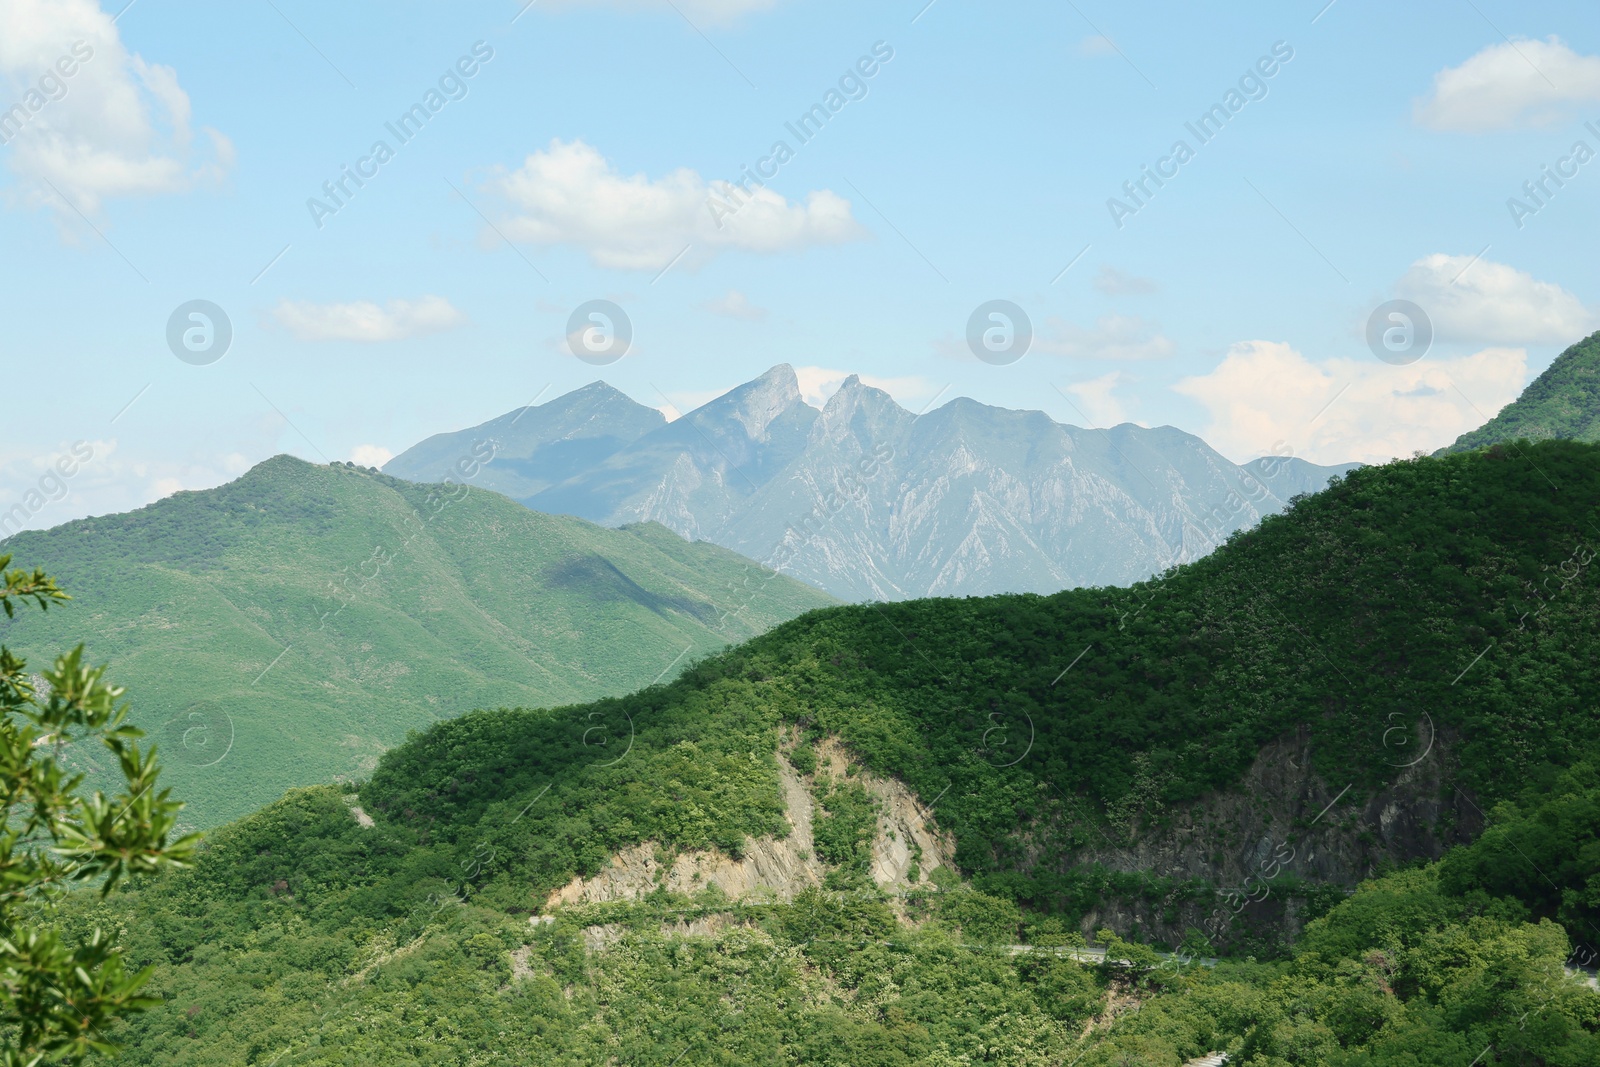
(601, 580)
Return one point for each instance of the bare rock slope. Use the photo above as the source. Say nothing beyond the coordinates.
(777, 868)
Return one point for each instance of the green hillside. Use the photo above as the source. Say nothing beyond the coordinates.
(1034, 728)
(286, 628)
(1563, 402)
(1460, 587)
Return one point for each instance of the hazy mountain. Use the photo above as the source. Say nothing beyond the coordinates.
(868, 500)
(534, 447)
(697, 474)
(287, 627)
(1562, 402)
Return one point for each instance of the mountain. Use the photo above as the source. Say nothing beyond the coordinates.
(534, 448)
(876, 833)
(1563, 402)
(870, 501)
(696, 473)
(288, 627)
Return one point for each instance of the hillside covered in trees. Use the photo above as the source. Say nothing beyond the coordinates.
(1563, 402)
(1441, 605)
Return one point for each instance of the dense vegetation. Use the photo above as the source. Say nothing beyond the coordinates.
(1035, 726)
(286, 628)
(1423, 966)
(1562, 402)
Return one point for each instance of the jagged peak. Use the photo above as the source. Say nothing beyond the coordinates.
(758, 402)
(780, 373)
(854, 394)
(778, 385)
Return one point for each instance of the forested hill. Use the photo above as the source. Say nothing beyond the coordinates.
(1562, 402)
(1455, 591)
(287, 627)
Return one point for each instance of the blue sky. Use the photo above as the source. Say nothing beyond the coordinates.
(578, 162)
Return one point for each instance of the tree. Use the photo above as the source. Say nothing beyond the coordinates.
(56, 998)
(1126, 958)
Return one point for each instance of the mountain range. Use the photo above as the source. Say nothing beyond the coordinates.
(871, 502)
(288, 627)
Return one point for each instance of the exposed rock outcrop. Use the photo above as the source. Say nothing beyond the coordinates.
(359, 813)
(777, 868)
(1285, 819)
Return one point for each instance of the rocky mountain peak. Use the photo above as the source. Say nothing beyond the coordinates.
(853, 400)
(757, 404)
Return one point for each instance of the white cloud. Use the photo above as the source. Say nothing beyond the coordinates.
(117, 126)
(1485, 302)
(1265, 394)
(1118, 337)
(363, 320)
(569, 194)
(1095, 402)
(817, 384)
(735, 305)
(75, 479)
(1113, 282)
(1096, 45)
(715, 12)
(370, 455)
(680, 402)
(1516, 84)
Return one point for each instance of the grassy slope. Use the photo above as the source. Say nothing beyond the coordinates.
(1374, 595)
(484, 604)
(1563, 402)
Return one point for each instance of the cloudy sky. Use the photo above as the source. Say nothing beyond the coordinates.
(398, 207)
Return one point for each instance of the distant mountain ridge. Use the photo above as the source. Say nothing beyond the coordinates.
(538, 447)
(870, 501)
(1563, 402)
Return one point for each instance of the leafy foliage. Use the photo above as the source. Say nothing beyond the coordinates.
(58, 994)
(843, 826)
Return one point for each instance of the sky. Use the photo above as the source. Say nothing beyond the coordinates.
(396, 218)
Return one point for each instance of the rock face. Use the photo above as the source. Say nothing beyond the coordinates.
(359, 813)
(869, 501)
(1281, 820)
(1284, 820)
(775, 868)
